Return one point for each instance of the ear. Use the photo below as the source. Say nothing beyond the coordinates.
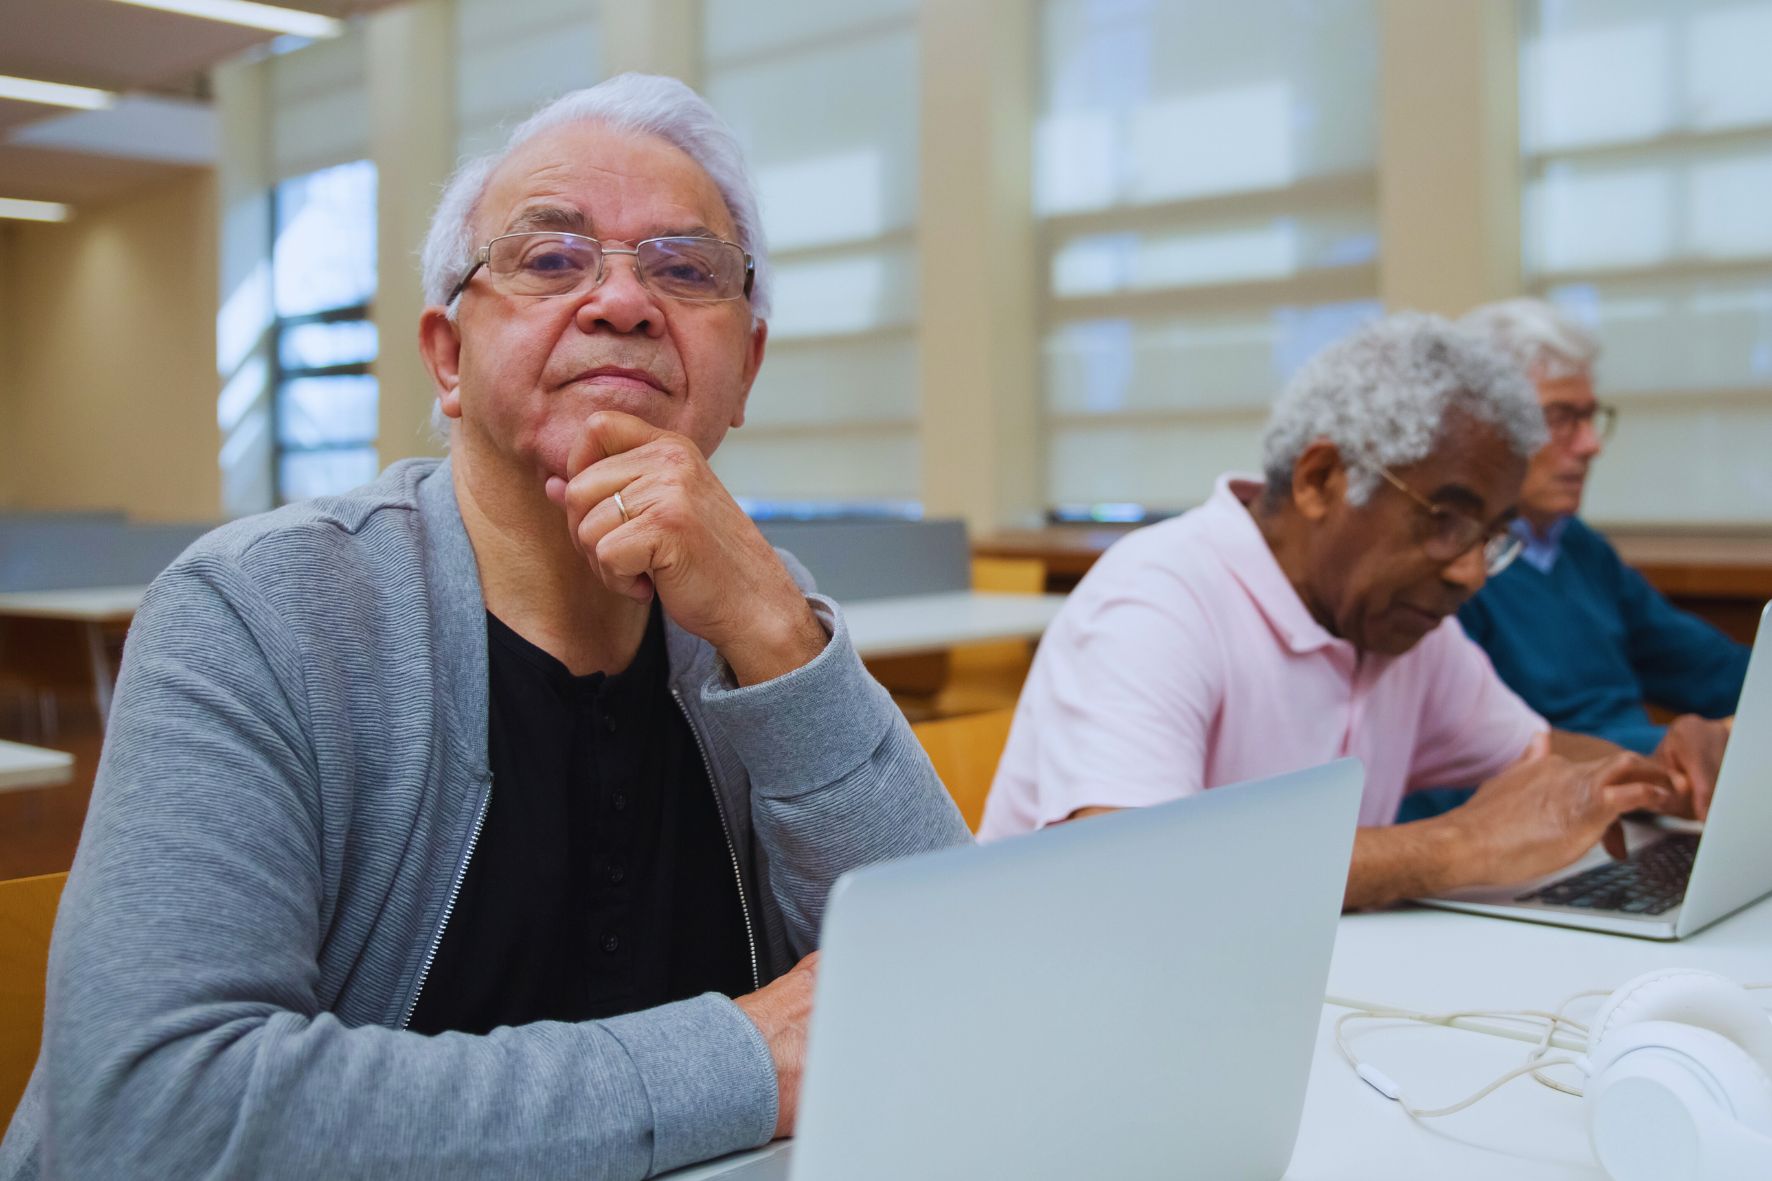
(439, 343)
(753, 361)
(1319, 481)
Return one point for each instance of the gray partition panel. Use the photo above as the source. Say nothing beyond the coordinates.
(73, 552)
(875, 559)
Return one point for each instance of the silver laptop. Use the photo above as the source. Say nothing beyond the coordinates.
(1131, 996)
(1679, 878)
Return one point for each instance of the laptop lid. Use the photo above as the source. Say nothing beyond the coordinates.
(1133, 995)
(1732, 868)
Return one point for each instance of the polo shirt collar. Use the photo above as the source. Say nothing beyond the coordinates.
(1233, 533)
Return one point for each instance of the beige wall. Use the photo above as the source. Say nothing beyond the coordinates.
(9, 434)
(109, 366)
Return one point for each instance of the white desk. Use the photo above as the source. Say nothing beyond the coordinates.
(878, 627)
(23, 767)
(921, 623)
(100, 604)
(1438, 960)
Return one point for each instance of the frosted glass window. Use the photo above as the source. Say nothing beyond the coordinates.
(1175, 315)
(324, 253)
(1726, 52)
(323, 277)
(1652, 207)
(1676, 338)
(831, 136)
(301, 474)
(1244, 251)
(1647, 126)
(838, 296)
(326, 411)
(794, 389)
(1599, 72)
(322, 344)
(824, 98)
(1204, 363)
(1157, 100)
(511, 58)
(1583, 219)
(737, 29)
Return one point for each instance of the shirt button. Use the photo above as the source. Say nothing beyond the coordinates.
(616, 874)
(610, 943)
(608, 723)
(619, 801)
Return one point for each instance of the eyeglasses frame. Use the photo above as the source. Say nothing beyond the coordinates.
(1602, 412)
(1487, 535)
(483, 256)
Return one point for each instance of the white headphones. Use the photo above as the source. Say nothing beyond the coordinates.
(1678, 1067)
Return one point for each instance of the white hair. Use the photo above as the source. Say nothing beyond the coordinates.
(1536, 336)
(644, 104)
(1383, 396)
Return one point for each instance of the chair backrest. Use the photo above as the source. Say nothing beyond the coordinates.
(1017, 576)
(965, 751)
(27, 912)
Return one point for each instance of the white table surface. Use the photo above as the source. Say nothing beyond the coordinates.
(24, 766)
(1440, 960)
(879, 627)
(921, 623)
(98, 604)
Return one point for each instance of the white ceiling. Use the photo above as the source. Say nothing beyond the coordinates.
(159, 59)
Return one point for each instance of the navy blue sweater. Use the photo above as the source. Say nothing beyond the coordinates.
(1589, 643)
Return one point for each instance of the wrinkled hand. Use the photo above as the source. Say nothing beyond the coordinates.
(781, 1011)
(686, 539)
(1543, 813)
(1692, 751)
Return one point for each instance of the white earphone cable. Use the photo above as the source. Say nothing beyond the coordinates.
(1543, 1038)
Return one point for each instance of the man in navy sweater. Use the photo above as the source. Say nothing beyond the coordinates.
(1582, 637)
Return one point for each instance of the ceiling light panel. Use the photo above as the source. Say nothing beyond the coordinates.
(55, 94)
(254, 16)
(33, 210)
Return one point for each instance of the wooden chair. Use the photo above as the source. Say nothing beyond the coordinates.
(965, 751)
(27, 912)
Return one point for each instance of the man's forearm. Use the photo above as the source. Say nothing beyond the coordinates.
(1405, 861)
(1581, 748)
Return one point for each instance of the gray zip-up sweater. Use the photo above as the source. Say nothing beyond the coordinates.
(291, 787)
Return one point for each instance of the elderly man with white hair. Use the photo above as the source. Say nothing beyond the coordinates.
(1571, 628)
(1287, 623)
(472, 823)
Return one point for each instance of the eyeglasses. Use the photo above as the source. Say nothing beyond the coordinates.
(1564, 420)
(1454, 533)
(699, 270)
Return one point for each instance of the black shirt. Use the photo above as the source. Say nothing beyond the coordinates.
(602, 881)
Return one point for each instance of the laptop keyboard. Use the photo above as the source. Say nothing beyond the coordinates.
(1651, 881)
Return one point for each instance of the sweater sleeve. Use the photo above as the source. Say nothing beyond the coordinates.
(1683, 663)
(185, 1033)
(838, 780)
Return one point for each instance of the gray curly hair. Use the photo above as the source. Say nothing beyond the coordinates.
(1383, 394)
(1537, 336)
(645, 104)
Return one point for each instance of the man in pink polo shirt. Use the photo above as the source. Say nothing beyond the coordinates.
(1285, 624)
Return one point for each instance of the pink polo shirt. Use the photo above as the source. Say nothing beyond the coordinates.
(1185, 660)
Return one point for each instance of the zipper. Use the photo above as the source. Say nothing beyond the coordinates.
(461, 874)
(744, 906)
